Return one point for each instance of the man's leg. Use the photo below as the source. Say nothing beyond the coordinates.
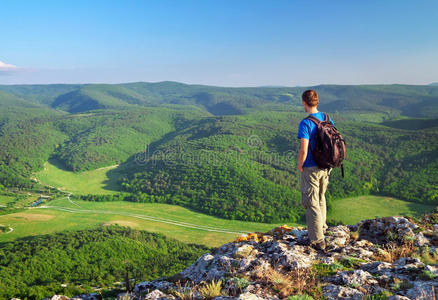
(323, 184)
(310, 200)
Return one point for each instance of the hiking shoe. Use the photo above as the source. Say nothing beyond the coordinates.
(319, 246)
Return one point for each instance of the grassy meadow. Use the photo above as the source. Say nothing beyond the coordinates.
(352, 210)
(178, 222)
(162, 218)
(5, 199)
(88, 182)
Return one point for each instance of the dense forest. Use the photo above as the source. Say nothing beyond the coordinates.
(71, 263)
(229, 152)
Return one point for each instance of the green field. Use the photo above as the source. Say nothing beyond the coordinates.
(5, 199)
(352, 210)
(18, 200)
(177, 222)
(162, 218)
(88, 182)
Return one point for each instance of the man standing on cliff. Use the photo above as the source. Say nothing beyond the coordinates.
(314, 180)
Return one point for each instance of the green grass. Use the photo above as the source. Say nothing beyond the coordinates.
(88, 182)
(353, 210)
(4, 199)
(38, 221)
(18, 200)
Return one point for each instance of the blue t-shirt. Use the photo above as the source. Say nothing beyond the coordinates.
(307, 130)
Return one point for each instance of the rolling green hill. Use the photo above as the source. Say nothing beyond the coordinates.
(44, 94)
(390, 100)
(30, 134)
(102, 139)
(92, 97)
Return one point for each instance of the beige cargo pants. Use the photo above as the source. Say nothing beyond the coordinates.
(314, 182)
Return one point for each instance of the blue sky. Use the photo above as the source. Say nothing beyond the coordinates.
(229, 43)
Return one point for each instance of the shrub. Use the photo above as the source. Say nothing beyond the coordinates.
(185, 292)
(211, 290)
(427, 275)
(300, 297)
(239, 284)
(351, 262)
(298, 282)
(428, 257)
(392, 251)
(323, 270)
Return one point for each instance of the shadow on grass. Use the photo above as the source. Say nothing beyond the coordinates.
(418, 209)
(59, 164)
(109, 184)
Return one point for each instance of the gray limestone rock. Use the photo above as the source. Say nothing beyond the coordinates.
(337, 237)
(424, 290)
(157, 295)
(152, 285)
(357, 277)
(421, 240)
(334, 292)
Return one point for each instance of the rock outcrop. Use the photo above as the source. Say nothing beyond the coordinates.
(385, 258)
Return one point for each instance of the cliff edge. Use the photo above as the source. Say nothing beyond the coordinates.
(384, 258)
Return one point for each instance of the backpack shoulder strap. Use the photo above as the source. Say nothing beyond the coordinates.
(326, 118)
(315, 120)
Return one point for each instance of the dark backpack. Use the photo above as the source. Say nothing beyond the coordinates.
(330, 149)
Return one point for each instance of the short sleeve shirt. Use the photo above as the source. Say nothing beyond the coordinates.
(307, 129)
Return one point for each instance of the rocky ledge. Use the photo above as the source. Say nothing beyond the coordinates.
(385, 258)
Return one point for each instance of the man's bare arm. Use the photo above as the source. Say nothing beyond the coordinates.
(302, 154)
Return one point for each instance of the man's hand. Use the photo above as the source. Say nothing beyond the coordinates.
(302, 154)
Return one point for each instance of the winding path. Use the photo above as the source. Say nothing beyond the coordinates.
(71, 201)
(139, 216)
(9, 231)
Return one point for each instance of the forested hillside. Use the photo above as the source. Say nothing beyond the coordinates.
(30, 134)
(110, 137)
(73, 262)
(26, 143)
(245, 167)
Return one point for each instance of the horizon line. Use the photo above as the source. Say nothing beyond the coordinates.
(432, 84)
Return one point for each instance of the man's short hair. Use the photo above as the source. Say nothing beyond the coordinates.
(310, 97)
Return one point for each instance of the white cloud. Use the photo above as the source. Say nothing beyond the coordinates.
(7, 67)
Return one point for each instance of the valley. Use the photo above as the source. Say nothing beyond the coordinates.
(188, 168)
(87, 182)
(177, 222)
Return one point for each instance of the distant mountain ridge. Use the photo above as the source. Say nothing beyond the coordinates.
(393, 100)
